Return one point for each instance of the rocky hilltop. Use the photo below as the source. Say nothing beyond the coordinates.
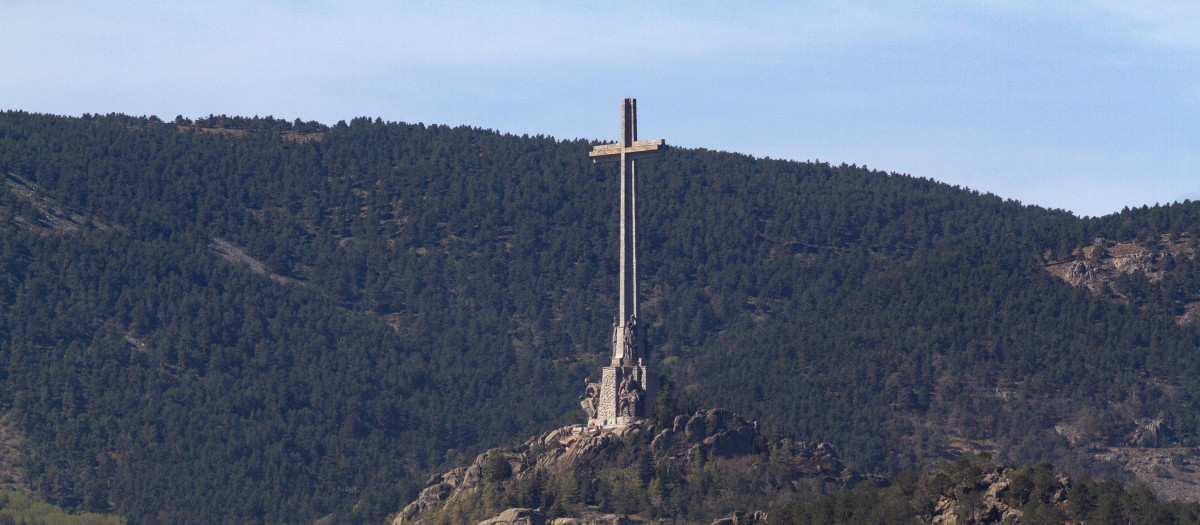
(710, 465)
(714, 467)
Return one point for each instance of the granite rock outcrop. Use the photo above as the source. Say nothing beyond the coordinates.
(689, 442)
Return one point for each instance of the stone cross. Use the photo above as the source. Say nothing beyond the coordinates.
(628, 151)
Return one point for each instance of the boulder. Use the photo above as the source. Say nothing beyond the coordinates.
(743, 518)
(433, 495)
(729, 443)
(694, 431)
(662, 441)
(517, 517)
(606, 519)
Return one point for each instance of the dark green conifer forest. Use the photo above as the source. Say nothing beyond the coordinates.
(427, 292)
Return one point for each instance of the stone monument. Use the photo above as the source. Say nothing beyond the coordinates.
(627, 387)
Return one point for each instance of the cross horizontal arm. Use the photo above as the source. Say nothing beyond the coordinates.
(638, 150)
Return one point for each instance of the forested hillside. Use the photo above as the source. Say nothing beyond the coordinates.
(426, 292)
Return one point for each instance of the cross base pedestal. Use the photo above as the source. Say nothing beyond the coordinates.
(627, 394)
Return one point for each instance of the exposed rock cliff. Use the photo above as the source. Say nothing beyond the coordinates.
(979, 500)
(997, 496)
(1104, 265)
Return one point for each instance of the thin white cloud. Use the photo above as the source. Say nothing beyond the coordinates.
(1166, 23)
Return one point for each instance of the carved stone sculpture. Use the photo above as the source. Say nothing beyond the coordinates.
(631, 340)
(630, 396)
(590, 398)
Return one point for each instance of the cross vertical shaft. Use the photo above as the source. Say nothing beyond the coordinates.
(627, 152)
(627, 307)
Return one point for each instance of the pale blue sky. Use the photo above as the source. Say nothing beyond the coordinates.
(1086, 106)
